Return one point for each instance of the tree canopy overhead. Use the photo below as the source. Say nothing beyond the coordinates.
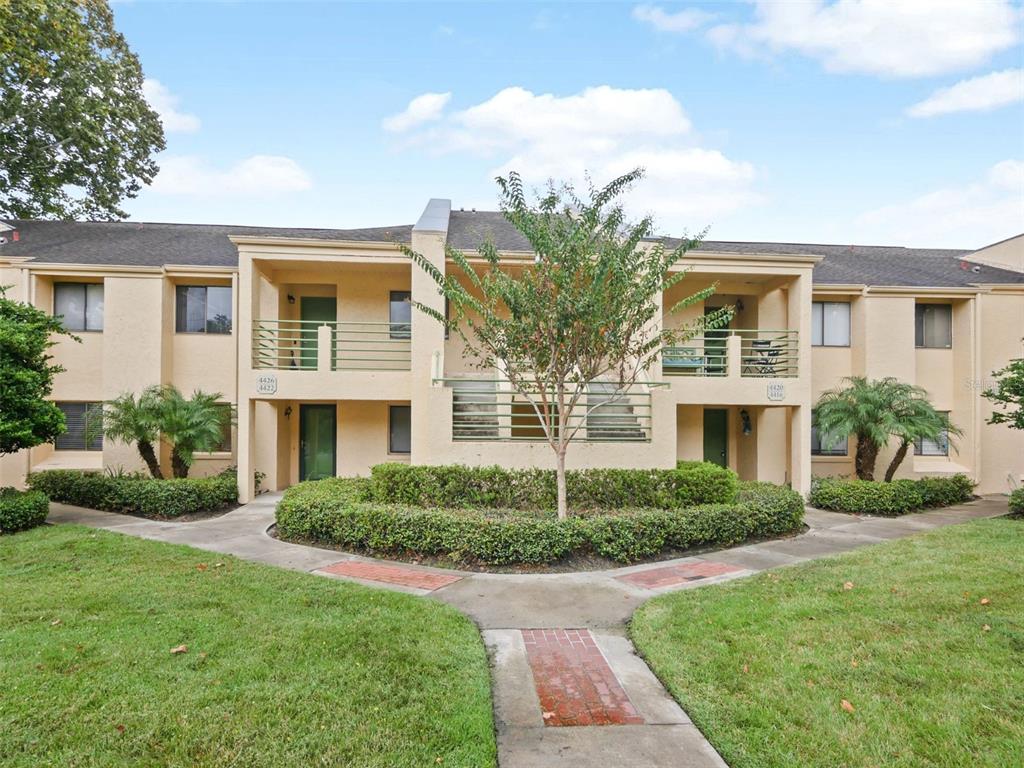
(77, 137)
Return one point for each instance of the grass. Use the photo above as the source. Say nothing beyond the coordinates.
(934, 677)
(282, 668)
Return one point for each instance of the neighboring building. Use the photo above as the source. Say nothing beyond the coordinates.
(309, 333)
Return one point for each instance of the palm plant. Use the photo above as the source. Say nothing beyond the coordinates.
(914, 419)
(190, 425)
(128, 419)
(861, 408)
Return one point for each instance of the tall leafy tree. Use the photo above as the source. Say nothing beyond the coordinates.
(190, 425)
(131, 419)
(76, 134)
(1008, 395)
(27, 418)
(585, 310)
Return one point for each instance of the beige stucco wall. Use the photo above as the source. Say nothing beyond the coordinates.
(139, 347)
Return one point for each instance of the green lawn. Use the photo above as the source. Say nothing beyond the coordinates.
(762, 665)
(282, 668)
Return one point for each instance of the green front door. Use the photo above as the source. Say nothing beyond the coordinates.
(314, 311)
(317, 441)
(716, 436)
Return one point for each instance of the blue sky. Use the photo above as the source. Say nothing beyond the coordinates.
(860, 122)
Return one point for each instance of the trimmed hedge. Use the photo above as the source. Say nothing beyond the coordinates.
(21, 510)
(1017, 502)
(461, 487)
(138, 494)
(871, 497)
(344, 513)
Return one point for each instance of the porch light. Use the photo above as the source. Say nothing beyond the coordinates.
(745, 420)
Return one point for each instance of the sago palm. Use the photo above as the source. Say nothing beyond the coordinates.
(127, 419)
(190, 425)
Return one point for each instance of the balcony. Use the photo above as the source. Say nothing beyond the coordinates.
(491, 410)
(764, 354)
(317, 345)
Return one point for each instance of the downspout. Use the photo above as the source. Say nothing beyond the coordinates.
(976, 394)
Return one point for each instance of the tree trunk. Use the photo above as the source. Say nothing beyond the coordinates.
(149, 456)
(178, 465)
(897, 460)
(563, 507)
(867, 453)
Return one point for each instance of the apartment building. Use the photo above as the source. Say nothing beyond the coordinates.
(309, 334)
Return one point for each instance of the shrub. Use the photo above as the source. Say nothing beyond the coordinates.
(945, 491)
(868, 497)
(1017, 502)
(346, 513)
(896, 498)
(21, 510)
(461, 487)
(138, 494)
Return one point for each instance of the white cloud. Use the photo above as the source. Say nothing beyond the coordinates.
(165, 104)
(682, 21)
(977, 94)
(605, 132)
(256, 176)
(909, 38)
(967, 216)
(425, 108)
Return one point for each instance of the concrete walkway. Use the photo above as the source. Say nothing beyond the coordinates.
(541, 630)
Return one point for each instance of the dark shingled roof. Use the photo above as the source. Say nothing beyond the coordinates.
(153, 245)
(136, 244)
(843, 264)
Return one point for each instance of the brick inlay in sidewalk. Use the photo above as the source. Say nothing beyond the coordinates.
(391, 574)
(573, 680)
(671, 575)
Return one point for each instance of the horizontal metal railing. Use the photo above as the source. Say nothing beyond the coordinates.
(294, 344)
(768, 353)
(491, 410)
(763, 353)
(700, 356)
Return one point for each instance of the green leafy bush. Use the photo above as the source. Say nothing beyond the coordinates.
(460, 487)
(1017, 502)
(21, 510)
(945, 491)
(138, 494)
(347, 513)
(899, 497)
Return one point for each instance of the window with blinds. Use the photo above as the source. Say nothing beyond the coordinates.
(80, 305)
(938, 447)
(830, 324)
(83, 433)
(933, 326)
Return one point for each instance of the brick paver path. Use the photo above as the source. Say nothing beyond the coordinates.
(673, 575)
(574, 683)
(391, 574)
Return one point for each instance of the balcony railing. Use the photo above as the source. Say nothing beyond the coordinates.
(490, 410)
(700, 356)
(296, 344)
(749, 353)
(768, 354)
